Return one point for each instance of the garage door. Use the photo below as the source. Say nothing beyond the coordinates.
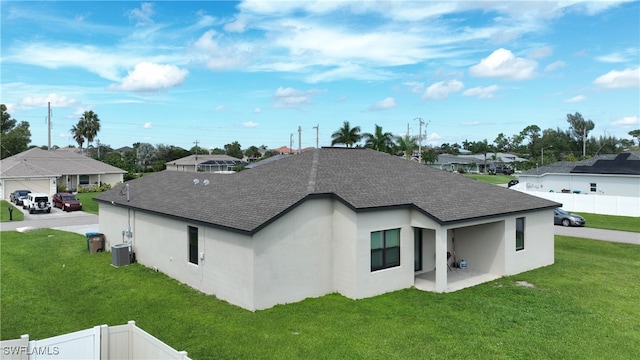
(35, 185)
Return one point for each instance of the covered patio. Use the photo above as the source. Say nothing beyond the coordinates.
(457, 279)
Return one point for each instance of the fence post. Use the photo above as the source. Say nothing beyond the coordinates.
(104, 342)
(132, 325)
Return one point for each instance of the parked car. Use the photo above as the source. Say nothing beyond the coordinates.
(37, 202)
(513, 182)
(499, 169)
(18, 196)
(66, 202)
(561, 217)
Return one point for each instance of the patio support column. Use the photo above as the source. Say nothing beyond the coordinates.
(441, 260)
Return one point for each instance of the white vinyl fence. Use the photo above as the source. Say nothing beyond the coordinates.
(99, 343)
(592, 203)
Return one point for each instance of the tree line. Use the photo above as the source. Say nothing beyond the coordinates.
(532, 143)
(538, 146)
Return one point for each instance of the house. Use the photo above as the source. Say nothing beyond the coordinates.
(47, 170)
(475, 162)
(610, 174)
(205, 163)
(352, 221)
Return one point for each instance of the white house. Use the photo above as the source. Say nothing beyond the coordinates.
(613, 175)
(205, 163)
(353, 221)
(474, 163)
(45, 170)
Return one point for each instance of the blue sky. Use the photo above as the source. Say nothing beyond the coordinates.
(175, 72)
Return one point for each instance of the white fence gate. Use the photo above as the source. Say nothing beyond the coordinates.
(99, 343)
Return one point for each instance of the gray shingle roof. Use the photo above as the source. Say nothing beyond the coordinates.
(36, 162)
(565, 167)
(363, 179)
(193, 159)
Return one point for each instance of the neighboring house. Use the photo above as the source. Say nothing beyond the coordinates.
(353, 221)
(205, 163)
(612, 174)
(45, 170)
(475, 162)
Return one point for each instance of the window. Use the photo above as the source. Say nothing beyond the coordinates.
(84, 179)
(385, 249)
(593, 187)
(519, 234)
(193, 245)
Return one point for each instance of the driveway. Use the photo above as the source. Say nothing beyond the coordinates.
(599, 234)
(75, 221)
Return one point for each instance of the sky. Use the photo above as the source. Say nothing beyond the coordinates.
(267, 72)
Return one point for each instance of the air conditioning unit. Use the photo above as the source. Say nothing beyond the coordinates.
(120, 254)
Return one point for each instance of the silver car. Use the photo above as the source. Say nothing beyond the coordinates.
(561, 217)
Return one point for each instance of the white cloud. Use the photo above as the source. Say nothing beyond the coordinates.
(415, 86)
(142, 16)
(628, 78)
(503, 64)
(147, 125)
(54, 99)
(239, 25)
(257, 110)
(576, 99)
(626, 55)
(482, 92)
(442, 89)
(292, 98)
(554, 66)
(220, 108)
(386, 103)
(627, 121)
(150, 77)
(250, 124)
(216, 56)
(541, 52)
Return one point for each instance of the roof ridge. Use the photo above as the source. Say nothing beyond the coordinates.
(311, 186)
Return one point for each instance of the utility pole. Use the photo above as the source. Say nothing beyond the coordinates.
(317, 127)
(299, 139)
(49, 123)
(196, 142)
(584, 141)
(98, 143)
(420, 140)
(291, 144)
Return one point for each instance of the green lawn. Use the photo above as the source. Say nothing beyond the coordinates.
(624, 223)
(583, 307)
(17, 213)
(88, 204)
(491, 179)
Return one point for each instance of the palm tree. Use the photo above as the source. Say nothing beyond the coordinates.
(78, 134)
(406, 144)
(379, 141)
(346, 135)
(90, 124)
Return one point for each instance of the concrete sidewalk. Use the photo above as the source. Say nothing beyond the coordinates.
(599, 234)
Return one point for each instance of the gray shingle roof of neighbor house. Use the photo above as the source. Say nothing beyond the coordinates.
(362, 179)
(192, 159)
(566, 167)
(37, 162)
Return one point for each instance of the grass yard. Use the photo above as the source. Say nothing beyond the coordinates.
(88, 204)
(17, 213)
(623, 223)
(583, 307)
(491, 179)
